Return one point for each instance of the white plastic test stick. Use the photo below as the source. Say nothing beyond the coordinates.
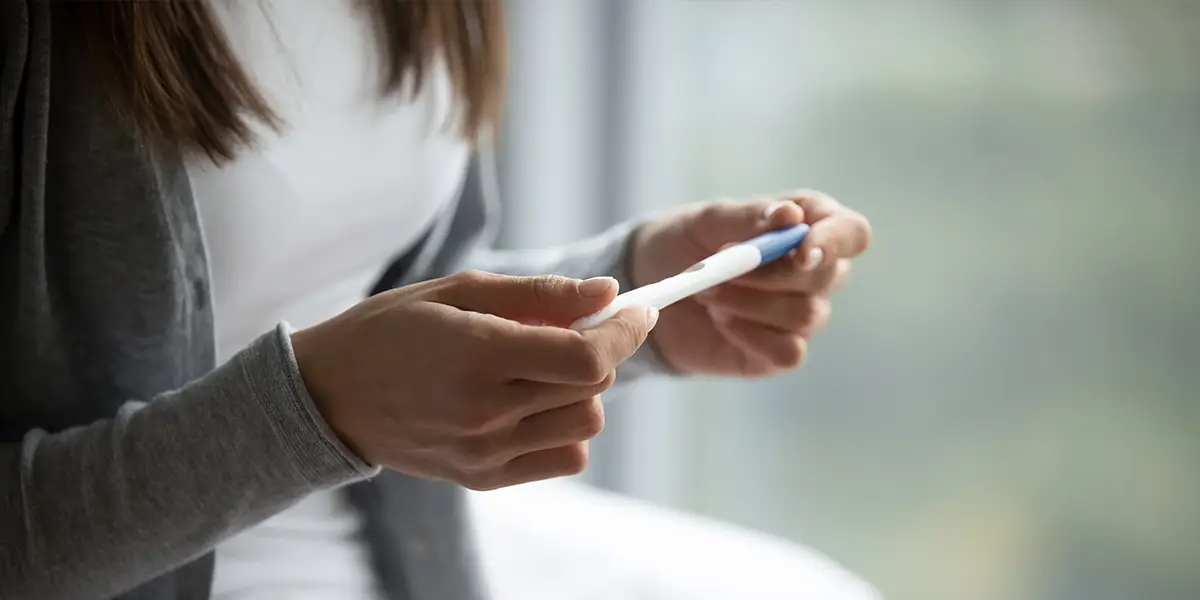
(723, 266)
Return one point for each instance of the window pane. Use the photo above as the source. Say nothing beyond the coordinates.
(1007, 404)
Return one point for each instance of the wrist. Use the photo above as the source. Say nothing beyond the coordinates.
(311, 379)
(636, 261)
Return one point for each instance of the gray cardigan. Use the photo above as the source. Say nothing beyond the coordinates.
(125, 457)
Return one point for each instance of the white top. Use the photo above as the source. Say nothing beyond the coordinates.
(299, 228)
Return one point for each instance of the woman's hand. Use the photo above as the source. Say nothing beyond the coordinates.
(442, 380)
(760, 323)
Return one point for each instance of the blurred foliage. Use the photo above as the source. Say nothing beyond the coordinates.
(1008, 402)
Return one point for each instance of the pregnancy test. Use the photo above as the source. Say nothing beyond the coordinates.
(730, 263)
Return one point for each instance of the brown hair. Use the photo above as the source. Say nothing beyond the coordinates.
(172, 67)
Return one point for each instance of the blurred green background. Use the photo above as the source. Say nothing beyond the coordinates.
(1007, 404)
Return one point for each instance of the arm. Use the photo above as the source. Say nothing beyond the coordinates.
(95, 510)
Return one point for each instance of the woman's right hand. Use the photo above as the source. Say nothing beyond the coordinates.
(442, 379)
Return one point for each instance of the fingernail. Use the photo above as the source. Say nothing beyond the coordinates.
(774, 206)
(596, 286)
(814, 258)
(651, 316)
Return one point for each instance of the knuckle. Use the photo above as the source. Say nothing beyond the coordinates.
(476, 419)
(548, 287)
(478, 482)
(799, 315)
(477, 453)
(792, 354)
(714, 210)
(573, 459)
(628, 334)
(606, 383)
(823, 310)
(817, 317)
(590, 364)
(865, 232)
(541, 288)
(818, 195)
(469, 277)
(841, 274)
(634, 332)
(825, 277)
(591, 418)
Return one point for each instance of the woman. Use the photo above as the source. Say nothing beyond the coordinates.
(176, 178)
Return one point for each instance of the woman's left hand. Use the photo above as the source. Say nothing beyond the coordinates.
(760, 323)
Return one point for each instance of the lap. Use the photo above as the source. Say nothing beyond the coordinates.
(566, 541)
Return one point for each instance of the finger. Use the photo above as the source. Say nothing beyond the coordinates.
(780, 214)
(837, 231)
(563, 356)
(841, 276)
(816, 205)
(515, 353)
(844, 235)
(724, 222)
(566, 460)
(577, 422)
(776, 349)
(797, 314)
(788, 275)
(532, 397)
(615, 340)
(752, 363)
(548, 299)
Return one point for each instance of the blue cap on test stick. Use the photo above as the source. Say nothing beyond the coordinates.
(775, 244)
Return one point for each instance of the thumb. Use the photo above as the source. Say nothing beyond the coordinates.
(543, 299)
(722, 223)
(616, 339)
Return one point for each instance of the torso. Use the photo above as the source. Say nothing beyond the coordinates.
(300, 227)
